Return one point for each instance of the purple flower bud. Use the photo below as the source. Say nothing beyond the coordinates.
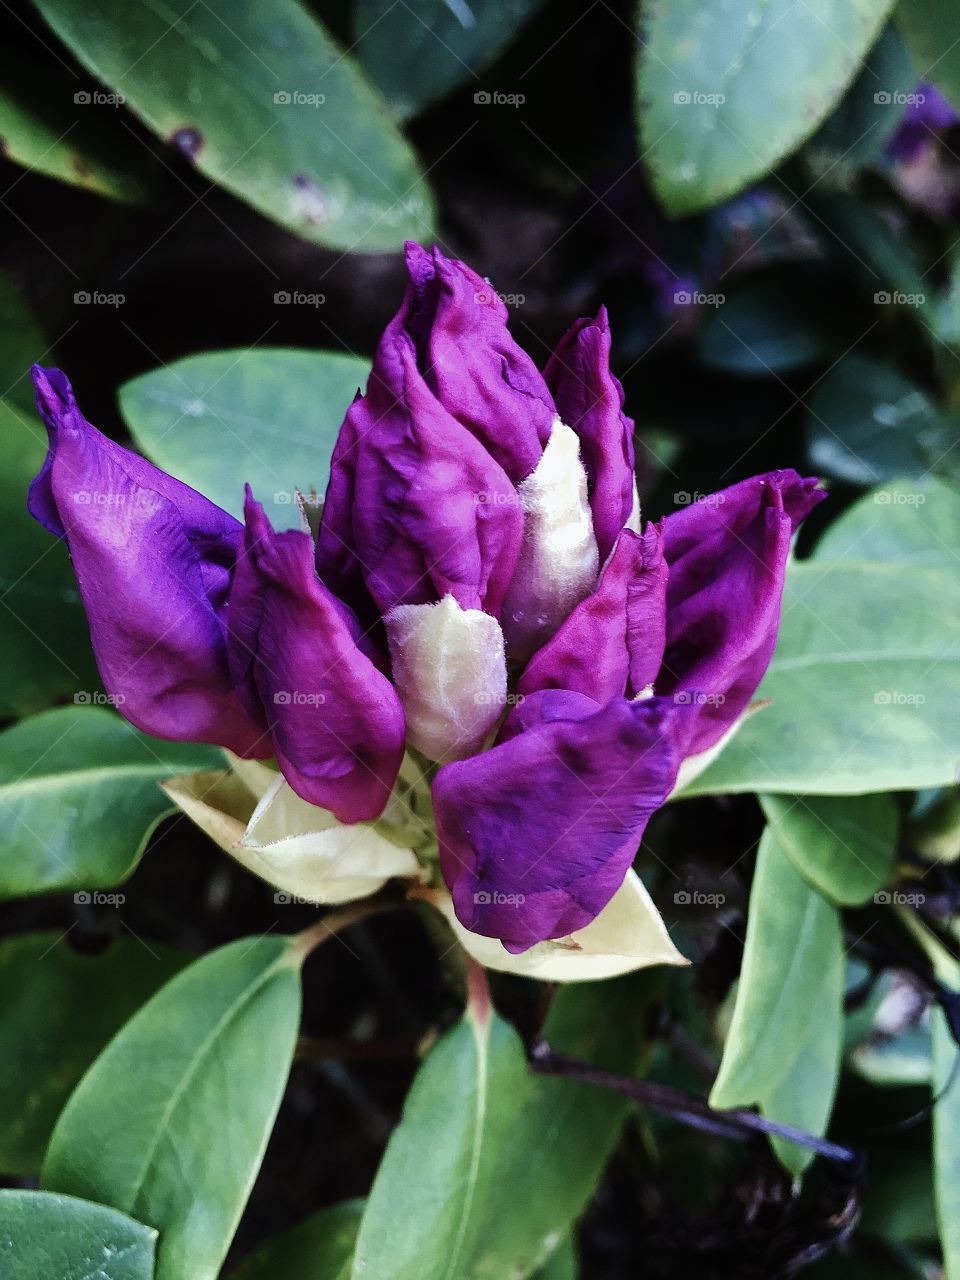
(590, 399)
(153, 560)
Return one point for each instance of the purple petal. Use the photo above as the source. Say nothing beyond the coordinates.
(470, 362)
(336, 721)
(727, 556)
(153, 560)
(415, 503)
(590, 399)
(538, 834)
(616, 636)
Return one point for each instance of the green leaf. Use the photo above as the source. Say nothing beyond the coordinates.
(50, 1237)
(58, 1009)
(869, 423)
(171, 1121)
(566, 1131)
(871, 109)
(44, 128)
(909, 521)
(783, 1048)
(418, 52)
(543, 1143)
(562, 1264)
(426, 1206)
(946, 1143)
(774, 321)
(317, 1249)
(724, 95)
(844, 845)
(931, 30)
(238, 89)
(79, 798)
(267, 417)
(865, 686)
(44, 642)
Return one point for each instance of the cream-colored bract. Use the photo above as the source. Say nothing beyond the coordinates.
(628, 934)
(450, 670)
(295, 846)
(559, 560)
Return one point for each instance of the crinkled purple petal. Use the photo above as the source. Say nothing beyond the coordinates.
(336, 721)
(415, 503)
(727, 556)
(613, 641)
(470, 362)
(590, 399)
(153, 559)
(537, 834)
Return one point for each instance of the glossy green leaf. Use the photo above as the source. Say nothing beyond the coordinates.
(265, 104)
(931, 31)
(870, 111)
(79, 798)
(53, 1237)
(946, 1143)
(774, 321)
(868, 423)
(317, 1249)
(782, 1051)
(426, 1206)
(562, 1264)
(864, 682)
(418, 52)
(844, 845)
(58, 1008)
(44, 642)
(171, 1121)
(566, 1131)
(267, 417)
(724, 94)
(51, 123)
(539, 1147)
(914, 522)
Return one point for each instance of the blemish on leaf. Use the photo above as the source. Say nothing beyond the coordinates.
(188, 141)
(309, 201)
